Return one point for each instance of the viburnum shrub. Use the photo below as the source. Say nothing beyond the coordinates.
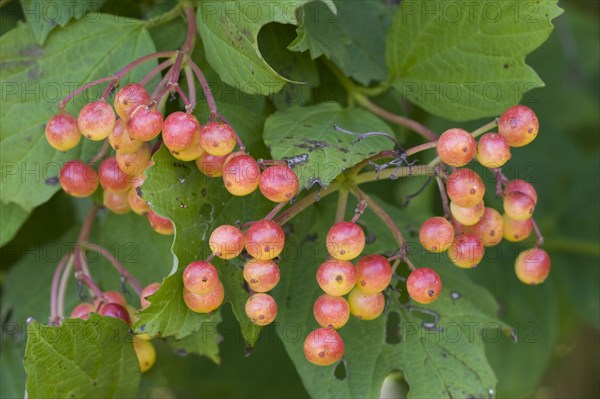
(255, 231)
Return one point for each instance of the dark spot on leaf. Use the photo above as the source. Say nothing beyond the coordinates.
(34, 73)
(311, 237)
(506, 66)
(51, 181)
(343, 149)
(444, 354)
(340, 371)
(33, 51)
(312, 145)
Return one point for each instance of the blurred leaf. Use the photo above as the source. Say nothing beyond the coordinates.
(204, 342)
(13, 216)
(12, 373)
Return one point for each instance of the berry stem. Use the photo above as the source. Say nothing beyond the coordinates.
(54, 319)
(210, 99)
(100, 153)
(304, 203)
(62, 290)
(189, 77)
(360, 209)
(184, 98)
(540, 238)
(341, 205)
(62, 103)
(404, 171)
(275, 211)
(125, 275)
(190, 39)
(159, 68)
(442, 187)
(164, 18)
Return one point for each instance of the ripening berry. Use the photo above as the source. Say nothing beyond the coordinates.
(516, 230)
(519, 125)
(466, 251)
(217, 138)
(323, 347)
(345, 240)
(532, 266)
(424, 285)
(129, 98)
(200, 277)
(523, 187)
(278, 183)
(82, 311)
(121, 141)
(78, 179)
(226, 241)
(336, 277)
(264, 240)
(490, 229)
(191, 153)
(436, 234)
(96, 120)
(180, 131)
(62, 132)
(456, 147)
(210, 165)
(331, 311)
(374, 273)
(135, 163)
(137, 203)
(467, 216)
(366, 306)
(115, 310)
(261, 275)
(241, 175)
(465, 188)
(111, 297)
(261, 309)
(112, 177)
(493, 150)
(145, 353)
(144, 123)
(205, 303)
(160, 224)
(116, 201)
(518, 205)
(146, 292)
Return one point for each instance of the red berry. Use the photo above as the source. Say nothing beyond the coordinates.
(116, 201)
(523, 187)
(200, 277)
(331, 311)
(241, 175)
(210, 165)
(345, 240)
(467, 216)
(78, 179)
(121, 141)
(336, 277)
(264, 240)
(180, 131)
(217, 138)
(134, 164)
(465, 188)
(130, 97)
(466, 251)
(96, 120)
(82, 311)
(456, 147)
(205, 303)
(518, 206)
(146, 292)
(62, 132)
(112, 177)
(374, 273)
(490, 229)
(532, 266)
(516, 230)
(323, 347)
(366, 306)
(493, 150)
(160, 224)
(144, 123)
(261, 275)
(261, 309)
(278, 183)
(112, 297)
(137, 203)
(424, 285)
(226, 241)
(519, 125)
(436, 234)
(115, 310)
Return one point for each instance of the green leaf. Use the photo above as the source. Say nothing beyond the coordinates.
(318, 153)
(91, 359)
(229, 31)
(43, 17)
(35, 78)
(204, 342)
(359, 53)
(467, 60)
(13, 216)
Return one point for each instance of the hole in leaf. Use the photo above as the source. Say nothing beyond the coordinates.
(340, 371)
(392, 329)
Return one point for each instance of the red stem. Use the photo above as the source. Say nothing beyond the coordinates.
(62, 103)
(189, 77)
(100, 153)
(275, 211)
(54, 319)
(210, 99)
(118, 265)
(159, 68)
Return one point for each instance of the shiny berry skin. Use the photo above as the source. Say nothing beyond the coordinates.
(519, 125)
(116, 201)
(160, 224)
(180, 131)
(261, 275)
(456, 147)
(337, 277)
(205, 303)
(146, 292)
(331, 311)
(121, 141)
(466, 251)
(465, 188)
(112, 297)
(532, 266)
(82, 311)
(145, 353)
(200, 277)
(137, 203)
(323, 347)
(134, 164)
(264, 240)
(226, 241)
(241, 175)
(210, 165)
(518, 205)
(516, 230)
(261, 309)
(365, 306)
(78, 179)
(436, 234)
(129, 98)
(467, 216)
(115, 310)
(424, 285)
(217, 138)
(374, 273)
(96, 120)
(345, 240)
(144, 123)
(62, 132)
(191, 153)
(278, 183)
(493, 150)
(490, 229)
(523, 187)
(112, 177)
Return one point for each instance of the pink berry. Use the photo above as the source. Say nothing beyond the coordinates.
(323, 347)
(424, 285)
(374, 273)
(519, 125)
(345, 240)
(436, 234)
(278, 183)
(62, 132)
(532, 266)
(336, 277)
(331, 311)
(456, 147)
(465, 188)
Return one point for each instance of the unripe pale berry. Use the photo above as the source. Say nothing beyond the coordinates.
(137, 203)
(145, 353)
(264, 240)
(365, 306)
(241, 175)
(374, 273)
(523, 187)
(323, 347)
(424, 285)
(518, 205)
(331, 311)
(261, 309)
(532, 266)
(336, 277)
(205, 303)
(493, 150)
(466, 251)
(129, 98)
(78, 179)
(160, 224)
(144, 123)
(112, 177)
(345, 240)
(261, 275)
(519, 125)
(436, 234)
(226, 241)
(465, 188)
(191, 153)
(134, 164)
(210, 165)
(62, 132)
(467, 216)
(115, 310)
(200, 277)
(516, 230)
(116, 201)
(278, 183)
(490, 229)
(217, 138)
(96, 120)
(146, 292)
(82, 311)
(456, 147)
(121, 141)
